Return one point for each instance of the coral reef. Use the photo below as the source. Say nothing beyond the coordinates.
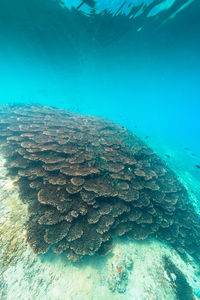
(118, 274)
(118, 280)
(86, 179)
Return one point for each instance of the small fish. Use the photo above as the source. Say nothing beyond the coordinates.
(186, 148)
(198, 166)
(193, 154)
(167, 155)
(146, 137)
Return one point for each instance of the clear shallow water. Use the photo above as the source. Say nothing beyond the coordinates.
(142, 72)
(102, 65)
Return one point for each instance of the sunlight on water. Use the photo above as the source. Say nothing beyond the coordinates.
(117, 7)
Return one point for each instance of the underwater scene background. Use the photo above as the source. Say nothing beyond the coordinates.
(134, 62)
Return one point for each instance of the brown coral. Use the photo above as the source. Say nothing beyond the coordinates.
(86, 179)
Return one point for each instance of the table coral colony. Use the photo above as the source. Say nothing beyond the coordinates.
(86, 180)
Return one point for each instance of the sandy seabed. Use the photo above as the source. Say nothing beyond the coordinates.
(132, 270)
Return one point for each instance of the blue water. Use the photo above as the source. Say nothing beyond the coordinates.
(103, 65)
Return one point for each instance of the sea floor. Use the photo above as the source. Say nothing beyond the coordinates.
(132, 270)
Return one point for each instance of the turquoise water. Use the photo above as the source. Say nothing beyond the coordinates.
(134, 62)
(104, 66)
